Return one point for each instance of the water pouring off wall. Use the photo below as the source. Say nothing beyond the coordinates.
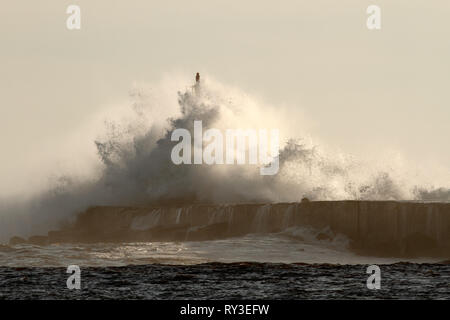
(378, 228)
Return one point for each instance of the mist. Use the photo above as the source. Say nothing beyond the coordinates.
(125, 160)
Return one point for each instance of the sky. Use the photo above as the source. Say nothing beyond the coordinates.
(364, 91)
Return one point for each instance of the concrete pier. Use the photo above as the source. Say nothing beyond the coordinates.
(379, 228)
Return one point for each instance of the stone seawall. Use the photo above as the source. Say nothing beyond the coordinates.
(382, 228)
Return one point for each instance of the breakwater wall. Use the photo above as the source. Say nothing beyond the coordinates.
(381, 228)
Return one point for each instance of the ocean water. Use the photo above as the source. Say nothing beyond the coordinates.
(229, 281)
(284, 247)
(275, 266)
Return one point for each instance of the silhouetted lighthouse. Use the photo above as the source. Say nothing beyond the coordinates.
(197, 84)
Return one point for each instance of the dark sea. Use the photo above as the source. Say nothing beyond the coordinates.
(250, 267)
(229, 281)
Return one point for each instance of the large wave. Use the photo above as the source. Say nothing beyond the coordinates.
(136, 168)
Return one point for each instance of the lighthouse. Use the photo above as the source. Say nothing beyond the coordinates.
(196, 86)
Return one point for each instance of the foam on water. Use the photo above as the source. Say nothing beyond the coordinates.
(285, 247)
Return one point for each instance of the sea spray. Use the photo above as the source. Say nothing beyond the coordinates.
(136, 168)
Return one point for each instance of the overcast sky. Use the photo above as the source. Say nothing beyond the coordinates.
(361, 88)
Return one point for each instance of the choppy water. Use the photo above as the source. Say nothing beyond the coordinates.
(275, 266)
(269, 248)
(229, 281)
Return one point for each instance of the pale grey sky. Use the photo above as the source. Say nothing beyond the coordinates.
(363, 89)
